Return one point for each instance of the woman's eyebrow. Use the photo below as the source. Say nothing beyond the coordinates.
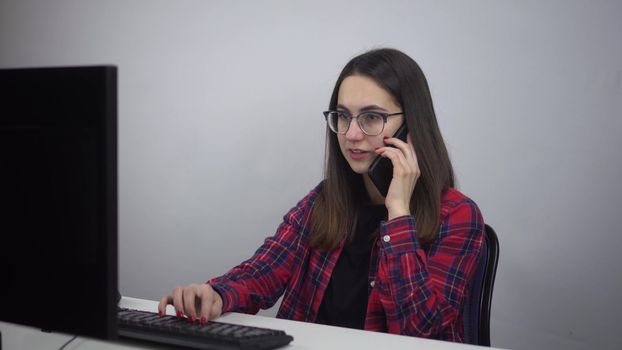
(364, 109)
(372, 108)
(340, 106)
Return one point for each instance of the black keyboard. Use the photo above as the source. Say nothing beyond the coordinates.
(176, 331)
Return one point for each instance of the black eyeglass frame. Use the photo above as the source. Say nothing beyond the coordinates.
(385, 117)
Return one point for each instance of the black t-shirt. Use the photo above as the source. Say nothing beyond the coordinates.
(345, 300)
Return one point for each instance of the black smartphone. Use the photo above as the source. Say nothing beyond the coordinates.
(381, 170)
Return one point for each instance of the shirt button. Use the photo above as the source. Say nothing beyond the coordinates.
(386, 238)
(372, 283)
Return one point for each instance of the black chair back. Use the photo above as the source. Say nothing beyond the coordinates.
(476, 313)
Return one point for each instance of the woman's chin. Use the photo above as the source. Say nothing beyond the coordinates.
(360, 169)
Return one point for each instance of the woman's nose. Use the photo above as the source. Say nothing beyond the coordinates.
(354, 131)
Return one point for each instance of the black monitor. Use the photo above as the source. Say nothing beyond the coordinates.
(58, 199)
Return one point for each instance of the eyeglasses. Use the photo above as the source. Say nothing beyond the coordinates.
(371, 123)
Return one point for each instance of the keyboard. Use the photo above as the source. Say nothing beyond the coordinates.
(176, 331)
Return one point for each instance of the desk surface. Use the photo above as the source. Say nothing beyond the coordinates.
(306, 335)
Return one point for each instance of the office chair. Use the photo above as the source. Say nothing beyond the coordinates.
(476, 313)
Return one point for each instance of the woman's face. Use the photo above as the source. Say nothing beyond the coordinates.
(358, 94)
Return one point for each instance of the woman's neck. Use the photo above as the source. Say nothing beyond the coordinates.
(374, 195)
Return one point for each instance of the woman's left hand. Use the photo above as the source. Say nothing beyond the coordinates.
(405, 175)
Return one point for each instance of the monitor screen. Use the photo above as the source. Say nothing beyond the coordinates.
(58, 198)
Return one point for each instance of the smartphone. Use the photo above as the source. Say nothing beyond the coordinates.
(381, 170)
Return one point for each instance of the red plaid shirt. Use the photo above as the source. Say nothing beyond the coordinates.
(412, 290)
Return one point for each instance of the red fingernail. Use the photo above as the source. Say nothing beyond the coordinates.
(203, 321)
(160, 313)
(386, 137)
(179, 314)
(191, 318)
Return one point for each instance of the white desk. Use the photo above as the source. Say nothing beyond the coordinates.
(306, 335)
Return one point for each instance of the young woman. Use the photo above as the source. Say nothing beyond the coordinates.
(346, 255)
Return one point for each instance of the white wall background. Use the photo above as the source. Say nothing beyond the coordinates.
(220, 132)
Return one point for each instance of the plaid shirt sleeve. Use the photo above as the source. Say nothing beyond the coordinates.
(422, 290)
(258, 282)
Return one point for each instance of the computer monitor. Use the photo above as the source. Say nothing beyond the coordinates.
(58, 199)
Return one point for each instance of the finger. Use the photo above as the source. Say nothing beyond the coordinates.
(189, 301)
(164, 301)
(216, 309)
(402, 167)
(408, 150)
(400, 164)
(405, 147)
(178, 301)
(207, 299)
(412, 146)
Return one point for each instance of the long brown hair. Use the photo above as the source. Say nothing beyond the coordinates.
(342, 192)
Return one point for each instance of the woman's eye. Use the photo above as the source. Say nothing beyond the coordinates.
(372, 117)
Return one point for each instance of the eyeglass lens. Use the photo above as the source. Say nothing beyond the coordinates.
(370, 123)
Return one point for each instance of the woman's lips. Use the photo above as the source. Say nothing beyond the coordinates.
(358, 154)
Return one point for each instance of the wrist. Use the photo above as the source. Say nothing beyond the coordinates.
(396, 213)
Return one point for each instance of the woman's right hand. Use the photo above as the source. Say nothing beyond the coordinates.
(197, 301)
